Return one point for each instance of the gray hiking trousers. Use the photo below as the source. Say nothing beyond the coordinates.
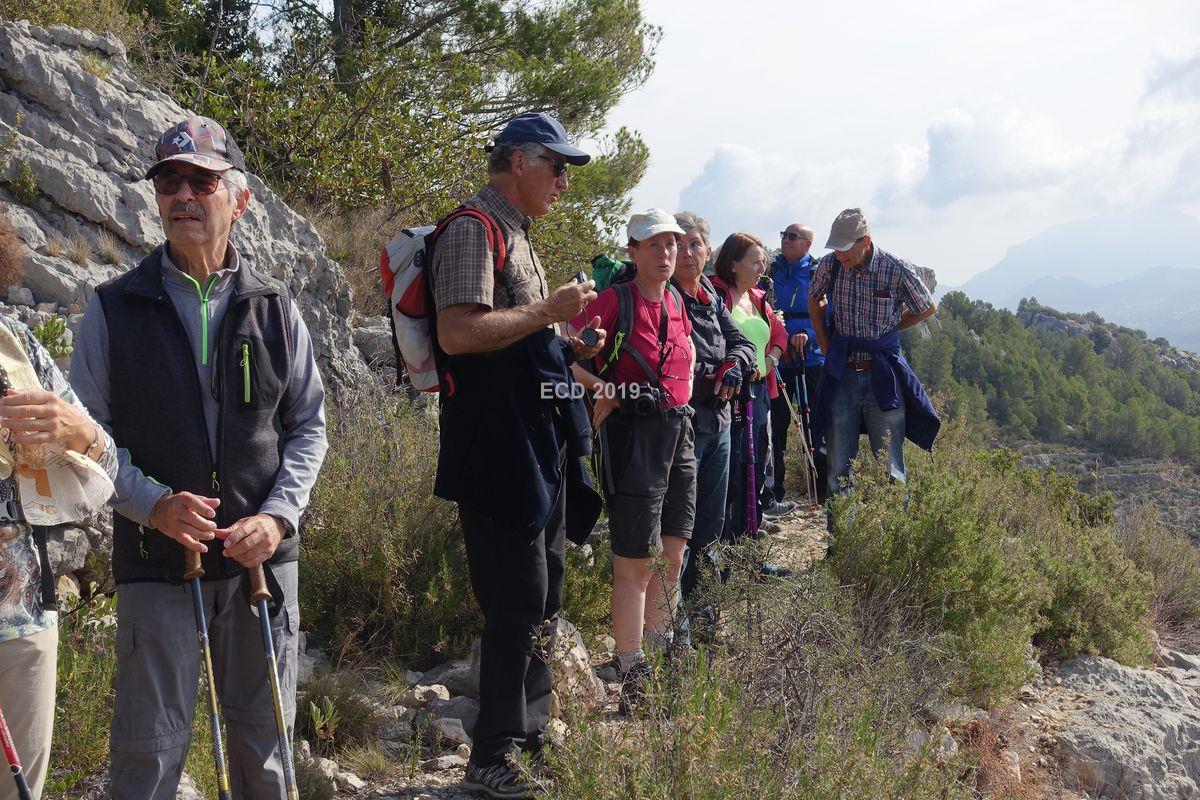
(158, 669)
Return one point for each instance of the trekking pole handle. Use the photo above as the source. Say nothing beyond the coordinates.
(191, 565)
(258, 585)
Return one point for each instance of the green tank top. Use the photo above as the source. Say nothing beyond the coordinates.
(756, 329)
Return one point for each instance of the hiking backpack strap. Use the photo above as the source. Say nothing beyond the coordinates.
(498, 244)
(625, 309)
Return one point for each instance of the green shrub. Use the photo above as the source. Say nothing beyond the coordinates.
(334, 714)
(53, 336)
(805, 696)
(23, 184)
(1174, 562)
(994, 555)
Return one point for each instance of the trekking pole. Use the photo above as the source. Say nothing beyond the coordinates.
(193, 571)
(260, 594)
(810, 446)
(751, 488)
(810, 483)
(14, 763)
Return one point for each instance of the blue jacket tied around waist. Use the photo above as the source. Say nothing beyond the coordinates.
(892, 380)
(508, 446)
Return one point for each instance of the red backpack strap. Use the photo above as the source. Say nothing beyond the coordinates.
(497, 243)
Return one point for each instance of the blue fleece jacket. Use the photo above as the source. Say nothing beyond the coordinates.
(791, 297)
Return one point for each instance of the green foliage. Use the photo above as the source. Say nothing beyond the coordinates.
(807, 696)
(1103, 392)
(334, 714)
(23, 184)
(1174, 562)
(53, 335)
(103, 16)
(993, 555)
(96, 64)
(387, 105)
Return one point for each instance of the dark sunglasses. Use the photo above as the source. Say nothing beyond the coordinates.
(201, 182)
(792, 236)
(559, 167)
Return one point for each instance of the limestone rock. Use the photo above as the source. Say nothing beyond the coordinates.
(422, 695)
(88, 141)
(1140, 737)
(348, 781)
(20, 296)
(444, 763)
(463, 709)
(67, 547)
(188, 790)
(374, 340)
(459, 677)
(448, 732)
(573, 674)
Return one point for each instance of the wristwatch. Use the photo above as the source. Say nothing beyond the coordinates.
(90, 452)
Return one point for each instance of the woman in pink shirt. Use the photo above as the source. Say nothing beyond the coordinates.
(642, 383)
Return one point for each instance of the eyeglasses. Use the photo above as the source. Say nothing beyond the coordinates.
(792, 236)
(201, 182)
(559, 167)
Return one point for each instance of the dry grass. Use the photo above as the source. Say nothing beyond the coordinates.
(354, 240)
(96, 64)
(110, 249)
(79, 248)
(56, 246)
(12, 254)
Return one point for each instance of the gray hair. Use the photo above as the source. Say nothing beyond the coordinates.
(500, 159)
(689, 222)
(235, 182)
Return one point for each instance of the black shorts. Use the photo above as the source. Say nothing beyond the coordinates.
(648, 474)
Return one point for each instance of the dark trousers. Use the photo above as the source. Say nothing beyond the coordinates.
(518, 584)
(781, 420)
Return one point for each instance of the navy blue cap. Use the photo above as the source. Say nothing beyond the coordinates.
(534, 126)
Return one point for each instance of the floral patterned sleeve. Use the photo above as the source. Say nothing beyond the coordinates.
(53, 380)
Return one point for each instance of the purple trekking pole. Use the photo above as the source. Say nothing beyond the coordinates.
(751, 488)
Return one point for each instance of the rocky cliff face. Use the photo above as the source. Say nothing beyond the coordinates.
(80, 129)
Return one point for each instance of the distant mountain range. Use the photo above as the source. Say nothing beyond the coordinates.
(1140, 269)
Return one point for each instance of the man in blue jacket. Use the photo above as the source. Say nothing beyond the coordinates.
(800, 370)
(866, 385)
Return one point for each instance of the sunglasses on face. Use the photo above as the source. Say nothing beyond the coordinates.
(792, 236)
(559, 167)
(201, 182)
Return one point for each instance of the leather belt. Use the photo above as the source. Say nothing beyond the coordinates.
(858, 366)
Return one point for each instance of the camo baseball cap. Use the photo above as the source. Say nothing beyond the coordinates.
(200, 141)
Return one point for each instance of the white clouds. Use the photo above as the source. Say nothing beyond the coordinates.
(962, 128)
(740, 189)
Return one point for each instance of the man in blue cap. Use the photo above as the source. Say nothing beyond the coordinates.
(511, 436)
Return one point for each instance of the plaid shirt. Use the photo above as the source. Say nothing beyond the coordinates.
(462, 270)
(868, 300)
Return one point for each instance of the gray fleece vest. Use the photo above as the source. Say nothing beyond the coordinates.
(158, 417)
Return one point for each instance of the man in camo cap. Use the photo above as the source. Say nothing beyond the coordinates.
(199, 363)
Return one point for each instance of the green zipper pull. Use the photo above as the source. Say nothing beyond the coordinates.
(215, 483)
(246, 372)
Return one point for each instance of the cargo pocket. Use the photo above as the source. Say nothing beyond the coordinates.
(125, 640)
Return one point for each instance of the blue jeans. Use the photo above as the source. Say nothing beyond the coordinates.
(853, 408)
(712, 483)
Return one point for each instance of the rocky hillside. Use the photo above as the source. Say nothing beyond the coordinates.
(1102, 334)
(78, 130)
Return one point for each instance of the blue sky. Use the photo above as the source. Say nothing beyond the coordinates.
(961, 127)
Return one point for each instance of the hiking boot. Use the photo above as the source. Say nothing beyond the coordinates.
(779, 509)
(633, 686)
(773, 571)
(499, 780)
(770, 526)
